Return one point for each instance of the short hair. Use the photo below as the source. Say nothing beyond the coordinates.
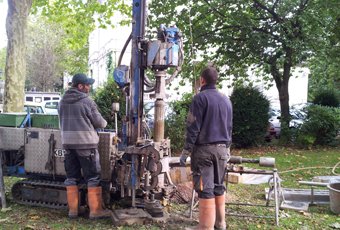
(210, 75)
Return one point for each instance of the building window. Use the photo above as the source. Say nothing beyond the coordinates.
(29, 98)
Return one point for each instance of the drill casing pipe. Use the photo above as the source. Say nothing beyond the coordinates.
(263, 161)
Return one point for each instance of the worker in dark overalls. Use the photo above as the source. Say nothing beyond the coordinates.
(79, 118)
(208, 138)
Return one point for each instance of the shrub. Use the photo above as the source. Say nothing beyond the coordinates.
(327, 97)
(104, 97)
(250, 116)
(175, 123)
(321, 127)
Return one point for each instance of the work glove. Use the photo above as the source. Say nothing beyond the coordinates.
(184, 156)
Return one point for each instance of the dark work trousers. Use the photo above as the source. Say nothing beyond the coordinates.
(85, 160)
(208, 165)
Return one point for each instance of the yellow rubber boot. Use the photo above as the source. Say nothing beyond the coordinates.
(72, 200)
(95, 203)
(220, 223)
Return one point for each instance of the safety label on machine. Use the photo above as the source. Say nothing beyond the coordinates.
(59, 152)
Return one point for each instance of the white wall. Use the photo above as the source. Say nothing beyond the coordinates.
(103, 41)
(298, 89)
(3, 16)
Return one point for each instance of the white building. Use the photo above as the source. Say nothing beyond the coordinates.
(102, 42)
(3, 15)
(297, 89)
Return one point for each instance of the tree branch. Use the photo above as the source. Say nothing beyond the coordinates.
(214, 9)
(262, 18)
(275, 5)
(219, 29)
(200, 18)
(274, 70)
(276, 17)
(276, 37)
(302, 6)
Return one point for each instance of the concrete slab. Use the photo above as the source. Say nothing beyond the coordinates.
(326, 179)
(315, 196)
(295, 205)
(131, 216)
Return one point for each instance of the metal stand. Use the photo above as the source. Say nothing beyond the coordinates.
(193, 204)
(2, 185)
(274, 188)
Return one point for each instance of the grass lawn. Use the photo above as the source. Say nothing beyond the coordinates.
(293, 165)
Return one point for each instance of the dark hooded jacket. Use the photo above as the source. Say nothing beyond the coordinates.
(79, 118)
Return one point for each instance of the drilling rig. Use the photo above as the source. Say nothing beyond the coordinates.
(146, 161)
(136, 168)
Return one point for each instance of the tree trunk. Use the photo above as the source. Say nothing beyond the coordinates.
(284, 103)
(284, 89)
(15, 70)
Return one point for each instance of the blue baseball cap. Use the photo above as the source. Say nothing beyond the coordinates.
(81, 78)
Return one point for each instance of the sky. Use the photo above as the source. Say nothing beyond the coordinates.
(3, 15)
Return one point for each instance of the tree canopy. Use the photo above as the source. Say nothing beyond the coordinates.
(269, 38)
(45, 54)
(325, 64)
(77, 18)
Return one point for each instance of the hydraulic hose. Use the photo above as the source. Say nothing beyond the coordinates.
(123, 50)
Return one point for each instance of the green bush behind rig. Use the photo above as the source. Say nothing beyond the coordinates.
(250, 116)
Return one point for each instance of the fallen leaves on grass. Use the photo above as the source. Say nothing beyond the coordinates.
(305, 213)
(6, 209)
(4, 220)
(34, 217)
(284, 214)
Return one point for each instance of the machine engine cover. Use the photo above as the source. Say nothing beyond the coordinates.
(162, 55)
(37, 152)
(11, 138)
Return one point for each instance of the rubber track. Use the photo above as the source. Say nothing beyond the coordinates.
(38, 184)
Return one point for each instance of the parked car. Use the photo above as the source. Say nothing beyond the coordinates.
(298, 116)
(33, 107)
(45, 107)
(274, 125)
(51, 106)
(271, 132)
